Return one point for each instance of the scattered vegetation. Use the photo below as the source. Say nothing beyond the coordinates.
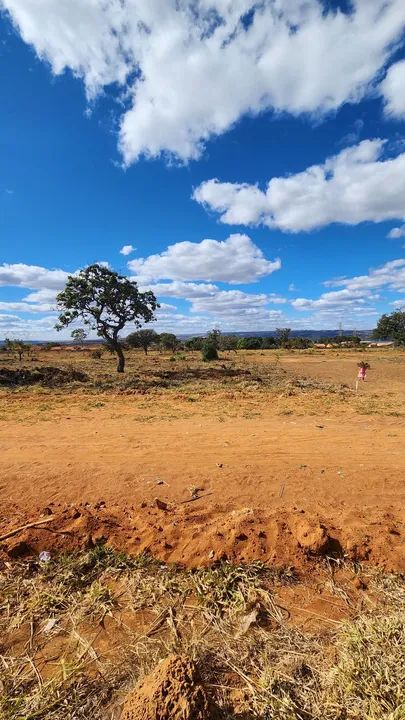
(17, 347)
(77, 631)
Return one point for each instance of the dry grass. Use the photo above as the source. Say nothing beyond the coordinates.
(78, 631)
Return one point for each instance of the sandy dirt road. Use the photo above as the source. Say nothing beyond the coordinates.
(261, 461)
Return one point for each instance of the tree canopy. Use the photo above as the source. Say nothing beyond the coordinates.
(105, 301)
(142, 339)
(78, 335)
(391, 326)
(283, 335)
(168, 341)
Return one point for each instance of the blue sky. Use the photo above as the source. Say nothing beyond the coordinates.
(252, 154)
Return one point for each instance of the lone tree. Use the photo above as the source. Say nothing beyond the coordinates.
(79, 335)
(391, 326)
(228, 342)
(142, 339)
(168, 341)
(105, 302)
(19, 347)
(214, 338)
(283, 336)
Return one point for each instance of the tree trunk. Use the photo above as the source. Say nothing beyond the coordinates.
(145, 349)
(121, 358)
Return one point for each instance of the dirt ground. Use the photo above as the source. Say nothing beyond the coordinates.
(304, 443)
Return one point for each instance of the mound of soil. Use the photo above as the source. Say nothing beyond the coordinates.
(206, 373)
(47, 376)
(193, 538)
(173, 691)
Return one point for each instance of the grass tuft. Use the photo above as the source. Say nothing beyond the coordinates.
(77, 632)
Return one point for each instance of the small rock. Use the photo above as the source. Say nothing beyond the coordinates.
(160, 504)
(393, 530)
(49, 625)
(46, 511)
(211, 554)
(359, 583)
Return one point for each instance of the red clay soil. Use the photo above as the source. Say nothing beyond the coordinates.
(193, 535)
(173, 691)
(281, 489)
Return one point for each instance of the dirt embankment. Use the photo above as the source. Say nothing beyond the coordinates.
(46, 376)
(192, 537)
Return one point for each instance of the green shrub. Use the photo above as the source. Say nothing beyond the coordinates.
(209, 352)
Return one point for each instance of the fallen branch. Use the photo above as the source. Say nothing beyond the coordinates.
(197, 497)
(26, 527)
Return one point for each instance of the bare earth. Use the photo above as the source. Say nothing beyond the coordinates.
(265, 462)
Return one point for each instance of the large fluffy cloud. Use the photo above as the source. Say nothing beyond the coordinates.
(32, 276)
(189, 69)
(356, 185)
(226, 302)
(235, 260)
(180, 289)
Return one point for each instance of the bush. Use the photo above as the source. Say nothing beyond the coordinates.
(96, 354)
(194, 343)
(209, 352)
(249, 343)
(268, 343)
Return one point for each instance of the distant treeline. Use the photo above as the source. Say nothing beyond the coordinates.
(149, 339)
(146, 339)
(282, 340)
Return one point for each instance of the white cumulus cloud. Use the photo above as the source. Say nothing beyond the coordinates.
(127, 249)
(358, 292)
(33, 277)
(234, 260)
(189, 69)
(393, 89)
(352, 187)
(397, 232)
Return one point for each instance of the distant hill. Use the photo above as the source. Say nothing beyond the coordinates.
(309, 334)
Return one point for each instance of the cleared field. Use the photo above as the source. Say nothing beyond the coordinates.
(270, 490)
(279, 433)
